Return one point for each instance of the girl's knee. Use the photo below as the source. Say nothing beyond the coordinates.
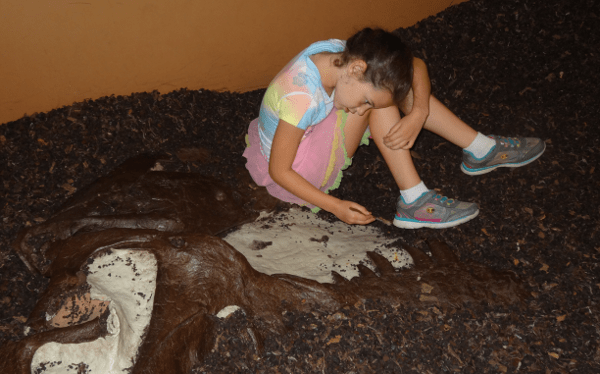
(383, 119)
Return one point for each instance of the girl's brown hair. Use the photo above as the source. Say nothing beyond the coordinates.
(389, 60)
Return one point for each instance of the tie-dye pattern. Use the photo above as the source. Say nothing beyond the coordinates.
(296, 95)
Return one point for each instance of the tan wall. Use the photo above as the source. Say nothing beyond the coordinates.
(56, 52)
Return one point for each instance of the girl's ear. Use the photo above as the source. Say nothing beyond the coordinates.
(357, 68)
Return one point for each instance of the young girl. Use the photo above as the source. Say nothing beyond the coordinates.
(331, 97)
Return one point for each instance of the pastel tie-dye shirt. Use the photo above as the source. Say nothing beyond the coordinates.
(296, 95)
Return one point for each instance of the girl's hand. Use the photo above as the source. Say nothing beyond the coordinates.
(404, 133)
(353, 213)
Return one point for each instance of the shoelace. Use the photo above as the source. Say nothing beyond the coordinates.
(443, 199)
(513, 142)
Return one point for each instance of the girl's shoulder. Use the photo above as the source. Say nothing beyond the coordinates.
(330, 45)
(301, 74)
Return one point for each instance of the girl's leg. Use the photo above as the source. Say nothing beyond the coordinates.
(443, 122)
(400, 161)
(354, 130)
(440, 121)
(481, 154)
(428, 209)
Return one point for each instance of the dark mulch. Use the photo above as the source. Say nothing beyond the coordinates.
(512, 67)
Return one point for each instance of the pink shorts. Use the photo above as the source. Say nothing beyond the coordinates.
(320, 159)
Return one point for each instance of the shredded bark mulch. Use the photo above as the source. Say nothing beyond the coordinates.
(527, 68)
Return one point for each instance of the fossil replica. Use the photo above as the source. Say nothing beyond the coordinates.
(137, 273)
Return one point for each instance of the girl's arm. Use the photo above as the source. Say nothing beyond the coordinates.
(416, 108)
(283, 152)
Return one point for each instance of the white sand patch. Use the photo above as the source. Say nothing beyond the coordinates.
(300, 243)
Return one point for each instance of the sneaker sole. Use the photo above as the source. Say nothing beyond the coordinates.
(491, 168)
(414, 224)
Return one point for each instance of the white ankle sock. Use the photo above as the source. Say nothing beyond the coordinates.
(481, 145)
(411, 194)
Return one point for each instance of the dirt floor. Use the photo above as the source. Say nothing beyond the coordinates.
(526, 68)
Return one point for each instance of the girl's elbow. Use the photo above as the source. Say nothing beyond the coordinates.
(275, 174)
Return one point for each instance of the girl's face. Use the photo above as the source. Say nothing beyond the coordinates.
(356, 96)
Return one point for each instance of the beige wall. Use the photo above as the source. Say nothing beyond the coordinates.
(56, 52)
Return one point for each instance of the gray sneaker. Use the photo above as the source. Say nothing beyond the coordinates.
(508, 152)
(433, 211)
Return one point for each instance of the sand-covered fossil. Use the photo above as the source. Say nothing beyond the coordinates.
(138, 253)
